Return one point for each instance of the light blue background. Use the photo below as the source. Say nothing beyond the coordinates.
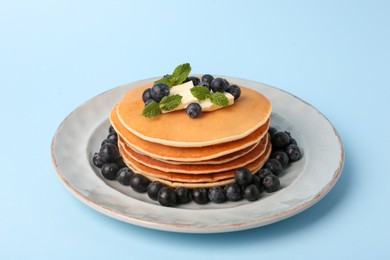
(55, 55)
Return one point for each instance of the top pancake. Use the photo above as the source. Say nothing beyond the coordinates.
(177, 129)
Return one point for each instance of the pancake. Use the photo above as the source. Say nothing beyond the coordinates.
(189, 185)
(251, 111)
(192, 178)
(189, 154)
(198, 168)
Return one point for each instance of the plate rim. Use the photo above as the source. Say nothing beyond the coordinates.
(188, 228)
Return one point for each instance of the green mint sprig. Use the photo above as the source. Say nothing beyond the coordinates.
(203, 93)
(167, 103)
(178, 76)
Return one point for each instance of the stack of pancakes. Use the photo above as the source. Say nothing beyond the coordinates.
(180, 151)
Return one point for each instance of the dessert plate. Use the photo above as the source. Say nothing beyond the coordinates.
(303, 183)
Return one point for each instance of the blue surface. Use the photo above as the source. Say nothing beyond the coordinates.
(55, 55)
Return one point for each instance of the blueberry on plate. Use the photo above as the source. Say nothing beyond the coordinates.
(113, 137)
(110, 141)
(158, 91)
(194, 110)
(207, 78)
(111, 129)
(217, 195)
(272, 130)
(200, 196)
(139, 183)
(271, 183)
(243, 177)
(293, 152)
(256, 180)
(263, 172)
(274, 165)
(280, 139)
(109, 153)
(167, 197)
(281, 156)
(234, 90)
(218, 85)
(183, 195)
(109, 171)
(251, 192)
(153, 189)
(146, 95)
(97, 161)
(233, 192)
(123, 176)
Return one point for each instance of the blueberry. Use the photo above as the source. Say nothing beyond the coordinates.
(233, 192)
(97, 160)
(194, 80)
(243, 177)
(111, 129)
(207, 78)
(234, 90)
(194, 110)
(147, 102)
(280, 139)
(251, 192)
(218, 85)
(274, 165)
(146, 95)
(293, 152)
(263, 172)
(256, 180)
(123, 176)
(167, 197)
(139, 183)
(153, 189)
(281, 156)
(109, 153)
(292, 140)
(113, 137)
(109, 141)
(271, 183)
(200, 196)
(272, 130)
(120, 162)
(183, 195)
(226, 83)
(217, 195)
(158, 91)
(109, 170)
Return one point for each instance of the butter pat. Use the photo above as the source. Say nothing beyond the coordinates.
(184, 91)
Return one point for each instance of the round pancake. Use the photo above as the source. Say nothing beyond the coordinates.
(198, 168)
(191, 178)
(234, 122)
(189, 154)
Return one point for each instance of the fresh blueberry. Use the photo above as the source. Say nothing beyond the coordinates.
(274, 165)
(218, 85)
(256, 180)
(113, 137)
(167, 197)
(195, 80)
(123, 176)
(280, 139)
(111, 129)
(147, 102)
(243, 177)
(234, 90)
(139, 183)
(217, 195)
(120, 162)
(293, 152)
(281, 156)
(109, 171)
(271, 183)
(233, 192)
(183, 195)
(153, 189)
(251, 192)
(109, 153)
(97, 161)
(272, 130)
(146, 95)
(109, 141)
(194, 110)
(200, 196)
(207, 78)
(292, 140)
(263, 172)
(158, 91)
(226, 83)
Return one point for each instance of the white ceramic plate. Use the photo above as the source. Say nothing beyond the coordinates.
(303, 183)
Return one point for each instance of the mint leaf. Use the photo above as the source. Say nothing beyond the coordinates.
(180, 74)
(165, 80)
(200, 92)
(169, 103)
(151, 110)
(219, 99)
